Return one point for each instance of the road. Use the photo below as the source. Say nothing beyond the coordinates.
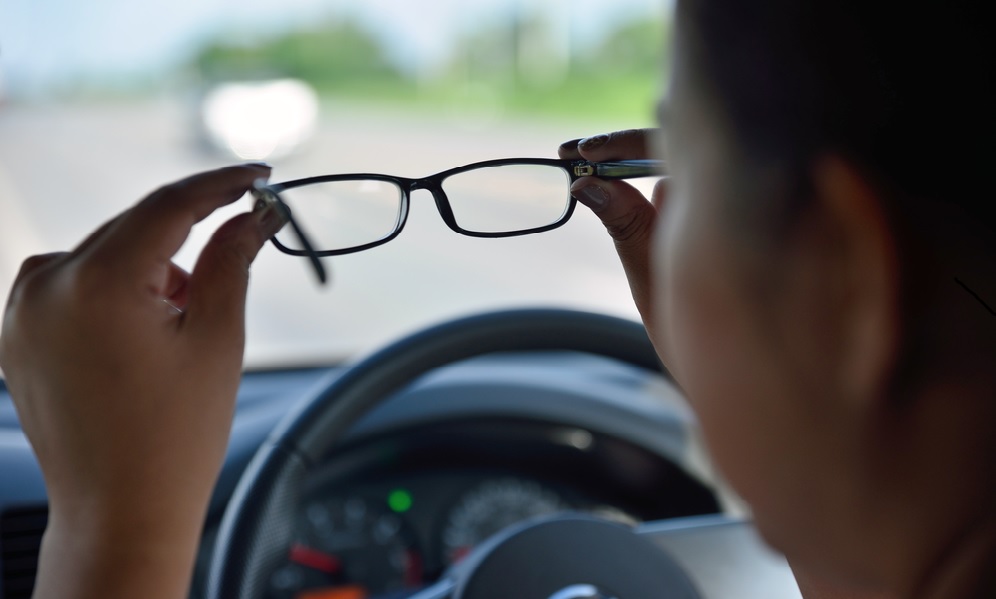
(66, 169)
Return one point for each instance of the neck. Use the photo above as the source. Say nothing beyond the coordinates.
(952, 446)
(933, 483)
(967, 569)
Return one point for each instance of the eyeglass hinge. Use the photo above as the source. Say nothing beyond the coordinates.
(584, 170)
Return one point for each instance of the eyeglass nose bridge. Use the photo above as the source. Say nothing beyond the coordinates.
(435, 187)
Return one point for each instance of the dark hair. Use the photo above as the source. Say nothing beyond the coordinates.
(903, 89)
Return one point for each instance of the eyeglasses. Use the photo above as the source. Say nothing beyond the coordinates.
(496, 198)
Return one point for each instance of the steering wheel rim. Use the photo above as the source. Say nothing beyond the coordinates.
(258, 522)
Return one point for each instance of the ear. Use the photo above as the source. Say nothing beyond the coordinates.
(868, 262)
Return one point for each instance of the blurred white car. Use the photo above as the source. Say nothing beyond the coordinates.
(258, 120)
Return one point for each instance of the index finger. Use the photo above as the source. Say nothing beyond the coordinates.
(631, 144)
(569, 149)
(154, 229)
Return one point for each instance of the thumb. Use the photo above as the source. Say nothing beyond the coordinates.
(629, 218)
(218, 283)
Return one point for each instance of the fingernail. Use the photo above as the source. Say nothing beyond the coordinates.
(592, 196)
(259, 164)
(593, 142)
(571, 144)
(269, 217)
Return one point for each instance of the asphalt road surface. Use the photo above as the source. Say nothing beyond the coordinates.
(66, 169)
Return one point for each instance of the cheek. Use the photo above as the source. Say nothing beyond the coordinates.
(713, 346)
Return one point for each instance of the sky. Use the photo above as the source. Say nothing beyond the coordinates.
(45, 41)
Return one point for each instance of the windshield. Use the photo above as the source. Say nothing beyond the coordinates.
(102, 102)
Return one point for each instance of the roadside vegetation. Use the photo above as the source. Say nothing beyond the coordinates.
(518, 67)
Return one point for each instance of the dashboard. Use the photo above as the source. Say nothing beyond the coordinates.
(391, 514)
(464, 452)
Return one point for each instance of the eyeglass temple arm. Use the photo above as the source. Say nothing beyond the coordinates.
(274, 200)
(306, 244)
(621, 169)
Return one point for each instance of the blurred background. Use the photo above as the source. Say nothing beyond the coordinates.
(101, 102)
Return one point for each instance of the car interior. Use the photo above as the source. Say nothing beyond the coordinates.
(449, 416)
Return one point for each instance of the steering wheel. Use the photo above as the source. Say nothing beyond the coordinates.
(563, 557)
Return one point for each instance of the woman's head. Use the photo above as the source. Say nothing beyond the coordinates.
(829, 160)
(905, 90)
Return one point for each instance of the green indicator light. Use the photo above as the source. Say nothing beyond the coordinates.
(399, 500)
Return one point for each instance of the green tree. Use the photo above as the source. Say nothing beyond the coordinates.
(327, 55)
(637, 47)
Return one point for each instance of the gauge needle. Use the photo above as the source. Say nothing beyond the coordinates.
(315, 559)
(413, 569)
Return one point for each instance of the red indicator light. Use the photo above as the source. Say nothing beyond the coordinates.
(315, 559)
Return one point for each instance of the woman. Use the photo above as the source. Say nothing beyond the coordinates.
(819, 276)
(817, 273)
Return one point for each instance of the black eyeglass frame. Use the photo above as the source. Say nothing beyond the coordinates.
(269, 193)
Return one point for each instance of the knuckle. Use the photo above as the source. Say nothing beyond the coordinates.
(163, 191)
(160, 195)
(626, 135)
(631, 227)
(33, 263)
(29, 279)
(232, 257)
(242, 236)
(635, 137)
(626, 143)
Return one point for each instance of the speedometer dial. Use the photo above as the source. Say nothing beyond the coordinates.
(491, 506)
(351, 546)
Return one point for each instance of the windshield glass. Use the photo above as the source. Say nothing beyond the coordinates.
(102, 102)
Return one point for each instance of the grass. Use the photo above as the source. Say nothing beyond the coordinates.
(620, 98)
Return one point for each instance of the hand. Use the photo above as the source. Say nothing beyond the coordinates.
(123, 369)
(627, 215)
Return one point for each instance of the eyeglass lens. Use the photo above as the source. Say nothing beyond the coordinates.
(500, 199)
(343, 214)
(505, 199)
